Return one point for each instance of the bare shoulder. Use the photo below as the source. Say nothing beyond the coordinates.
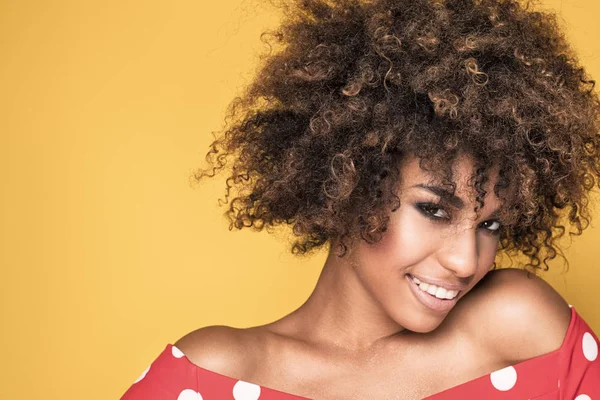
(222, 349)
(516, 314)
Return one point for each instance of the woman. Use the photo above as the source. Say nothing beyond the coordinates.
(418, 140)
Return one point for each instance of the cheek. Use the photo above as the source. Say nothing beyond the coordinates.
(406, 241)
(489, 250)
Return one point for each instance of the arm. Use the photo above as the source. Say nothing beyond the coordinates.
(520, 317)
(517, 316)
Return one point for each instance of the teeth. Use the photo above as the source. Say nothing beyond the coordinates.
(442, 293)
(436, 291)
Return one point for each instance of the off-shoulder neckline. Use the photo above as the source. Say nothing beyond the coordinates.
(432, 397)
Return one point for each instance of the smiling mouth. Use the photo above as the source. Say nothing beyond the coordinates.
(435, 291)
(431, 301)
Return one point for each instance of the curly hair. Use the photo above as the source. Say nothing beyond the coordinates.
(350, 88)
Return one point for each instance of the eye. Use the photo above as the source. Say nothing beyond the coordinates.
(432, 211)
(493, 226)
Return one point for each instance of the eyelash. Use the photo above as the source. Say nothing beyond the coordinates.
(425, 208)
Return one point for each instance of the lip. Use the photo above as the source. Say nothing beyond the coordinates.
(429, 301)
(445, 285)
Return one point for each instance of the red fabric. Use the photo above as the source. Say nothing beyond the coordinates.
(571, 372)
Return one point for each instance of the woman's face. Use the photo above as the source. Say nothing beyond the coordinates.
(441, 244)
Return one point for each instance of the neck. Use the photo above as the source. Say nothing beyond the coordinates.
(341, 312)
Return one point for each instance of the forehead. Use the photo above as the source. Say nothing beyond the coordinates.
(463, 169)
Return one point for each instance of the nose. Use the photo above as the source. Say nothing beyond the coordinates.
(460, 253)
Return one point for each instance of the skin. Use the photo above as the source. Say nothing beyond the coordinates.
(363, 333)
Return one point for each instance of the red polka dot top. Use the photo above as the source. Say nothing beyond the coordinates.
(570, 372)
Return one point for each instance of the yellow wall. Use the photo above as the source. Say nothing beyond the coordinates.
(106, 252)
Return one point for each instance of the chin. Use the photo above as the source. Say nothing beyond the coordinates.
(423, 326)
(420, 322)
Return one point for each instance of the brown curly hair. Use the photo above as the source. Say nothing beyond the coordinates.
(350, 88)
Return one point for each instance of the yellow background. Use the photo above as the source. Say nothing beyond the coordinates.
(107, 254)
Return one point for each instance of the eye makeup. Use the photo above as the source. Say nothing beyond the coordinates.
(430, 209)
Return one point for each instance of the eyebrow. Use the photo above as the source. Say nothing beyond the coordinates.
(445, 194)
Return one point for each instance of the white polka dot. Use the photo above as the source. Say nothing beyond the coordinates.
(176, 352)
(583, 397)
(189, 394)
(570, 306)
(504, 379)
(246, 391)
(590, 347)
(143, 375)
